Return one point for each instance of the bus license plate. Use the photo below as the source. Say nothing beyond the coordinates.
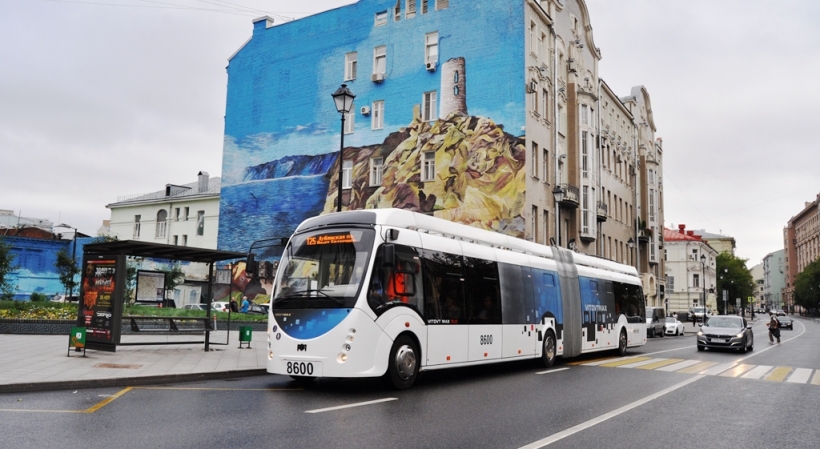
(302, 368)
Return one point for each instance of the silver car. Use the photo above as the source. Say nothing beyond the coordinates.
(727, 332)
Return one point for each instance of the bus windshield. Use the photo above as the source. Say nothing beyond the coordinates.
(323, 269)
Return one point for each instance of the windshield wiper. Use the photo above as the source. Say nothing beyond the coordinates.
(337, 300)
(306, 294)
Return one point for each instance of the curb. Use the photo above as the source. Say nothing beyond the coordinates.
(127, 381)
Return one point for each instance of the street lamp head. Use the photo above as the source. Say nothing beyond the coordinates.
(343, 98)
(703, 258)
(630, 243)
(558, 194)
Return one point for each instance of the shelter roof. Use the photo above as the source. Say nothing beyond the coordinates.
(162, 251)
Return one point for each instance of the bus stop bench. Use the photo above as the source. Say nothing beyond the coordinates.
(166, 324)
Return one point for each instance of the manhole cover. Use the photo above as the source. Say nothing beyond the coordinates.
(117, 366)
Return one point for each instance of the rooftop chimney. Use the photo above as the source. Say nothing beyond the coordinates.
(682, 228)
(202, 182)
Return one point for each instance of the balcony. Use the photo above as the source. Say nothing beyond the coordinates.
(602, 211)
(567, 195)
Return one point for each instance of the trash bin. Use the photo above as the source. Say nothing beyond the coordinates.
(245, 334)
(76, 340)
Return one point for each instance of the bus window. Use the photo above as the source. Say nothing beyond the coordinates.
(482, 291)
(443, 289)
(516, 295)
(629, 301)
(396, 285)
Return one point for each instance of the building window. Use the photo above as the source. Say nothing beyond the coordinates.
(560, 121)
(431, 48)
(424, 6)
(651, 205)
(397, 11)
(411, 9)
(184, 240)
(137, 226)
(381, 18)
(347, 174)
(428, 166)
(584, 155)
(176, 240)
(429, 110)
(377, 115)
(670, 283)
(534, 160)
(533, 41)
(187, 212)
(545, 157)
(545, 103)
(695, 280)
(380, 59)
(376, 166)
(351, 61)
(442, 4)
(585, 210)
(546, 227)
(349, 120)
(534, 223)
(200, 222)
(162, 217)
(176, 214)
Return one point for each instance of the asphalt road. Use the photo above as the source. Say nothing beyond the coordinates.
(516, 405)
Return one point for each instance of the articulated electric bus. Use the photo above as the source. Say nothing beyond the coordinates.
(389, 293)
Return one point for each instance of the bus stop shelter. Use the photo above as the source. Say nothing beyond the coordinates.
(103, 285)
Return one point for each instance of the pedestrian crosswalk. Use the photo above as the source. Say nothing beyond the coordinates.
(769, 373)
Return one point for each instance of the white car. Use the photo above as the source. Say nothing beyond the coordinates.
(220, 306)
(673, 326)
(195, 307)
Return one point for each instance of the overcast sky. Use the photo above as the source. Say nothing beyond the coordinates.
(106, 98)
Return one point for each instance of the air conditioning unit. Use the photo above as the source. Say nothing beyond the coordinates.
(431, 66)
(532, 87)
(377, 77)
(365, 110)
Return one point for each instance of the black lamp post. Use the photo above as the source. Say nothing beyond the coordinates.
(343, 98)
(558, 194)
(703, 270)
(73, 253)
(631, 244)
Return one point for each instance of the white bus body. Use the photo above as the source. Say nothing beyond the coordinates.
(389, 292)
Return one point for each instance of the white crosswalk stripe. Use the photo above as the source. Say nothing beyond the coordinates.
(758, 372)
(800, 376)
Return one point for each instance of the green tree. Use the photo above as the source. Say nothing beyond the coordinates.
(736, 279)
(6, 267)
(67, 270)
(807, 287)
(173, 277)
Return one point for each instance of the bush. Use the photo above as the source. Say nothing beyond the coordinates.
(38, 297)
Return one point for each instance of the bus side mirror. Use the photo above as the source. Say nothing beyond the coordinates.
(251, 266)
(389, 253)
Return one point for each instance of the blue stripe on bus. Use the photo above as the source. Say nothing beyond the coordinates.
(304, 324)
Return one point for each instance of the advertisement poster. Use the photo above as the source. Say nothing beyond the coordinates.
(98, 300)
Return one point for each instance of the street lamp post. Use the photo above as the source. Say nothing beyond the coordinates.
(343, 98)
(703, 270)
(558, 195)
(73, 254)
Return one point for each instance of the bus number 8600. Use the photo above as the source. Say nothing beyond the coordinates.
(486, 339)
(300, 368)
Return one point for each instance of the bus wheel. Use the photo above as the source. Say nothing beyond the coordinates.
(548, 354)
(622, 343)
(403, 366)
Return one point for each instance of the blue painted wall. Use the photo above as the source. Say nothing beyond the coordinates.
(279, 103)
(35, 259)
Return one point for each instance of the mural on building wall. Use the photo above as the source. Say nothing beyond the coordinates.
(272, 181)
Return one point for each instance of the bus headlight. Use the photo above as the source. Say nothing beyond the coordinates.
(346, 347)
(341, 358)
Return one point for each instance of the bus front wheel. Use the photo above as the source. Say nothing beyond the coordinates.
(403, 365)
(548, 354)
(622, 343)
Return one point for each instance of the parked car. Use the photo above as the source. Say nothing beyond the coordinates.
(785, 322)
(727, 332)
(700, 312)
(673, 326)
(258, 309)
(220, 306)
(655, 321)
(195, 307)
(780, 313)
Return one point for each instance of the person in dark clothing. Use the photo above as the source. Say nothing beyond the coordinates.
(234, 308)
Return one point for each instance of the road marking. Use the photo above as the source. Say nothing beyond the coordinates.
(678, 366)
(107, 400)
(358, 404)
(758, 372)
(714, 371)
(599, 362)
(624, 362)
(660, 363)
(641, 363)
(586, 362)
(585, 425)
(697, 368)
(816, 379)
(736, 371)
(219, 389)
(778, 374)
(800, 376)
(550, 371)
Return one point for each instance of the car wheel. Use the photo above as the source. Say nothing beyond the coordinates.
(742, 349)
(700, 348)
(403, 366)
(663, 332)
(548, 352)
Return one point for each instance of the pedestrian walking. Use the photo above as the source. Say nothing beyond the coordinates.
(774, 328)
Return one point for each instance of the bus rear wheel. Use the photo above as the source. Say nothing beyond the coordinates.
(403, 365)
(622, 343)
(548, 354)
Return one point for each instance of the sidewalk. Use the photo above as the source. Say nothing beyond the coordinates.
(39, 362)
